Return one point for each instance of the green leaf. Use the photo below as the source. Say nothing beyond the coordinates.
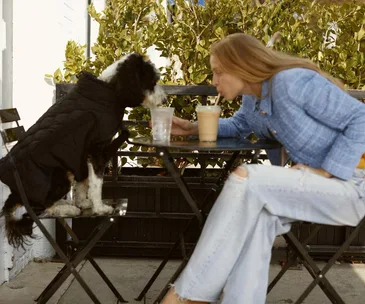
(134, 148)
(118, 53)
(219, 32)
(360, 34)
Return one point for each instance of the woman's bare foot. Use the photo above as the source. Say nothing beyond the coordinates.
(172, 298)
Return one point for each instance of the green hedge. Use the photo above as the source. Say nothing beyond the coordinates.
(301, 27)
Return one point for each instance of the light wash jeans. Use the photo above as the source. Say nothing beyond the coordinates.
(234, 250)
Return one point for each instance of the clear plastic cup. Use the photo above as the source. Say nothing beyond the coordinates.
(161, 119)
(208, 117)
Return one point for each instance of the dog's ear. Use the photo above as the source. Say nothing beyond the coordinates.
(127, 80)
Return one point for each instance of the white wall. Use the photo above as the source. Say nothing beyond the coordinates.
(2, 47)
(6, 47)
(94, 26)
(39, 45)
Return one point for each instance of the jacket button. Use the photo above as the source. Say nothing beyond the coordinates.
(273, 132)
(263, 113)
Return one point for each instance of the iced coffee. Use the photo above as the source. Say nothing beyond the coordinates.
(208, 122)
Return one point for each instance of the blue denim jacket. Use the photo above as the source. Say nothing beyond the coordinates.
(316, 122)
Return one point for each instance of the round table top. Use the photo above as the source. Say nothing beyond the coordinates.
(222, 144)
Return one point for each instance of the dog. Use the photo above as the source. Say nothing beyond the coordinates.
(71, 143)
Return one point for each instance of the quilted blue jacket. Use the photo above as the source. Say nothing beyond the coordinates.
(316, 122)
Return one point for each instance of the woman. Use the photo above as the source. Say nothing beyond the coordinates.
(322, 129)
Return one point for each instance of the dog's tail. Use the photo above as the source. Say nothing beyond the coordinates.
(17, 230)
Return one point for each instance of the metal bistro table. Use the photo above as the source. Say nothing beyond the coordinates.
(231, 145)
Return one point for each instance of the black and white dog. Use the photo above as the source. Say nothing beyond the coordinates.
(72, 142)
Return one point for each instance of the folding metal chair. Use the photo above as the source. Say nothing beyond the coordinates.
(299, 253)
(80, 252)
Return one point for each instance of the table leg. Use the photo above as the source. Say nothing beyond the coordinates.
(207, 199)
(174, 171)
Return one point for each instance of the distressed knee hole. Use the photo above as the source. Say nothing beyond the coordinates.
(241, 172)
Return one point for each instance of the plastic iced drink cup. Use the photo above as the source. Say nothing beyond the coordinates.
(208, 122)
(161, 123)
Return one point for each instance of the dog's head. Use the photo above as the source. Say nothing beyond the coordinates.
(135, 81)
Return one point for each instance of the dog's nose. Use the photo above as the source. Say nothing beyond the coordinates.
(164, 101)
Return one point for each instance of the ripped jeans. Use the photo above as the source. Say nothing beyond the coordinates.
(234, 250)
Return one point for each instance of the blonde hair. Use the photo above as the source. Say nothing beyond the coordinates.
(247, 58)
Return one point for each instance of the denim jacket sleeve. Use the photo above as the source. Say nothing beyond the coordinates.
(235, 126)
(330, 106)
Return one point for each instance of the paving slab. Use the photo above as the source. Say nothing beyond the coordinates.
(130, 275)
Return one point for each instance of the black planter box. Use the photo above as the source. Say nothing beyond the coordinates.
(158, 213)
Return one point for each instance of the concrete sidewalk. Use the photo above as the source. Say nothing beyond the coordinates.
(130, 275)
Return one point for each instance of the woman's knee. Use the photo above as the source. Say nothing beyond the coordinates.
(241, 172)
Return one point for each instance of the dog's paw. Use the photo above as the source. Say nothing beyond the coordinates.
(84, 204)
(73, 211)
(63, 210)
(63, 202)
(102, 209)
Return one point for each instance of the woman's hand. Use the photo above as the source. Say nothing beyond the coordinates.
(183, 127)
(318, 171)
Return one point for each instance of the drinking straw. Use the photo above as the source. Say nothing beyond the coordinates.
(217, 99)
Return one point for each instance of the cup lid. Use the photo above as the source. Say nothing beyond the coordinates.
(166, 109)
(208, 108)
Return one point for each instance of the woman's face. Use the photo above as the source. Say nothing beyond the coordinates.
(228, 85)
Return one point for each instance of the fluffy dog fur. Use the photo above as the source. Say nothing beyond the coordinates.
(142, 80)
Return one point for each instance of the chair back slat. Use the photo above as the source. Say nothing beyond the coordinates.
(13, 134)
(9, 115)
(9, 135)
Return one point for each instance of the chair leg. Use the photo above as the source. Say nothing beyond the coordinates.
(64, 268)
(70, 266)
(283, 270)
(323, 283)
(92, 261)
(292, 259)
(77, 258)
(45, 232)
(316, 273)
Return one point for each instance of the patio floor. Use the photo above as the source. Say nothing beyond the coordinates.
(130, 276)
